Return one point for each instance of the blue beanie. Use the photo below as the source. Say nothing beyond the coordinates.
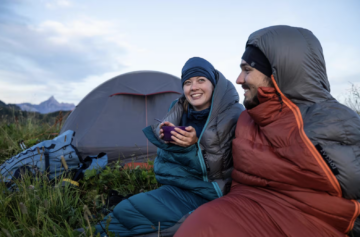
(198, 67)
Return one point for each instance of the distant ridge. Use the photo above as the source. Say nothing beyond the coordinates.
(4, 106)
(48, 106)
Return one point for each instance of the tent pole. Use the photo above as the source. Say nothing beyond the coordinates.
(146, 121)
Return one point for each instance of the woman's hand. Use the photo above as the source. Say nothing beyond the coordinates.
(161, 132)
(184, 138)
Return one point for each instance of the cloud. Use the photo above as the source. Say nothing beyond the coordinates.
(53, 53)
(342, 65)
(58, 4)
(76, 90)
(68, 51)
(7, 14)
(342, 60)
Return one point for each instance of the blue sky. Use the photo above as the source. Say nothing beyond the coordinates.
(66, 48)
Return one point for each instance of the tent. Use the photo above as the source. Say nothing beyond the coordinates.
(110, 118)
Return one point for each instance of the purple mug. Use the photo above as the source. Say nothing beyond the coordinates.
(167, 132)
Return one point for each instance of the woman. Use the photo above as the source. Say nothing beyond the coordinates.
(195, 167)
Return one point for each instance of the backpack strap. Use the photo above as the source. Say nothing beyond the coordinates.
(47, 163)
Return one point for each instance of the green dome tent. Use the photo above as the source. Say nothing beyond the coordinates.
(110, 118)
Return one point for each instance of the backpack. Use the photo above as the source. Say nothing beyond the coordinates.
(52, 158)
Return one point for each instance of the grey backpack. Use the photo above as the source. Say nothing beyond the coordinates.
(52, 158)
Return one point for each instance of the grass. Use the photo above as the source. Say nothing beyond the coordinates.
(28, 128)
(40, 207)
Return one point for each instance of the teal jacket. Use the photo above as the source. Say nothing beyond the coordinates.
(180, 166)
(205, 167)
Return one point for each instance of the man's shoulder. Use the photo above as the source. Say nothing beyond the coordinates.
(332, 109)
(332, 121)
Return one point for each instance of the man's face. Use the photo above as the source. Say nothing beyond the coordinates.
(251, 79)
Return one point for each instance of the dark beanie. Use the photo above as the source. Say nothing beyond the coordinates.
(198, 67)
(256, 59)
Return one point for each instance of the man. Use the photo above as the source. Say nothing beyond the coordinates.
(296, 150)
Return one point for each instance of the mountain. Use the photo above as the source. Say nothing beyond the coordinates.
(8, 106)
(48, 106)
(10, 113)
(27, 107)
(8, 110)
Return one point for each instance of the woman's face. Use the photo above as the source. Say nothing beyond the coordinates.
(198, 92)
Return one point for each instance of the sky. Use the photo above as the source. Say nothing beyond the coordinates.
(66, 48)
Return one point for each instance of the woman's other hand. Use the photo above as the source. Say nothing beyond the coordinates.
(184, 138)
(161, 132)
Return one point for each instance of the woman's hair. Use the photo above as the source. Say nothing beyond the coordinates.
(184, 102)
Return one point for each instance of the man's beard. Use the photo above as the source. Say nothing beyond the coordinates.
(250, 104)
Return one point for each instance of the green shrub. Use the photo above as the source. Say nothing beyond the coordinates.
(125, 181)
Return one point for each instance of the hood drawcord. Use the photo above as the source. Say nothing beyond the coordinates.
(280, 100)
